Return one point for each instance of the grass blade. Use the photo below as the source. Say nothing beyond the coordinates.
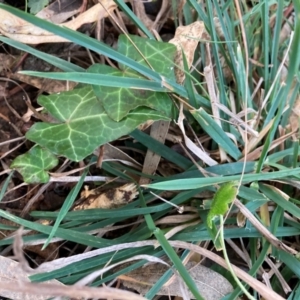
(65, 208)
(53, 60)
(192, 183)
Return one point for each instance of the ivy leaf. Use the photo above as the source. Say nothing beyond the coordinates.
(34, 165)
(153, 54)
(223, 197)
(118, 102)
(83, 124)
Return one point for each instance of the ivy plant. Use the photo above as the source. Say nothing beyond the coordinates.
(91, 115)
(34, 164)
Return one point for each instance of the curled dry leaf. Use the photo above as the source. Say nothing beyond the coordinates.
(60, 10)
(186, 39)
(110, 199)
(25, 32)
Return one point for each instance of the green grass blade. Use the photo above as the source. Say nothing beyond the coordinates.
(275, 39)
(280, 201)
(258, 263)
(192, 183)
(294, 60)
(271, 134)
(277, 156)
(161, 149)
(228, 31)
(171, 254)
(99, 79)
(198, 8)
(266, 40)
(51, 59)
(128, 12)
(215, 52)
(188, 83)
(193, 235)
(295, 157)
(129, 211)
(177, 263)
(188, 14)
(94, 263)
(291, 261)
(65, 208)
(83, 40)
(274, 104)
(66, 234)
(216, 133)
(5, 185)
(295, 294)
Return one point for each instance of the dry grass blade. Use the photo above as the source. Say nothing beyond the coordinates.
(190, 144)
(75, 292)
(274, 269)
(17, 286)
(254, 283)
(263, 230)
(159, 131)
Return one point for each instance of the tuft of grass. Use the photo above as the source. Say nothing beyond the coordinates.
(253, 144)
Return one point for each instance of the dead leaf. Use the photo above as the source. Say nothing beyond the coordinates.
(140, 12)
(110, 199)
(159, 132)
(114, 153)
(191, 145)
(295, 115)
(186, 39)
(6, 61)
(10, 272)
(24, 32)
(211, 285)
(60, 10)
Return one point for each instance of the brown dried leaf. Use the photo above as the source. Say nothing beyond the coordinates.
(211, 285)
(158, 131)
(186, 39)
(110, 199)
(11, 272)
(6, 61)
(295, 115)
(60, 10)
(24, 32)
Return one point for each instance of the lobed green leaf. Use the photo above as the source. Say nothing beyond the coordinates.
(34, 165)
